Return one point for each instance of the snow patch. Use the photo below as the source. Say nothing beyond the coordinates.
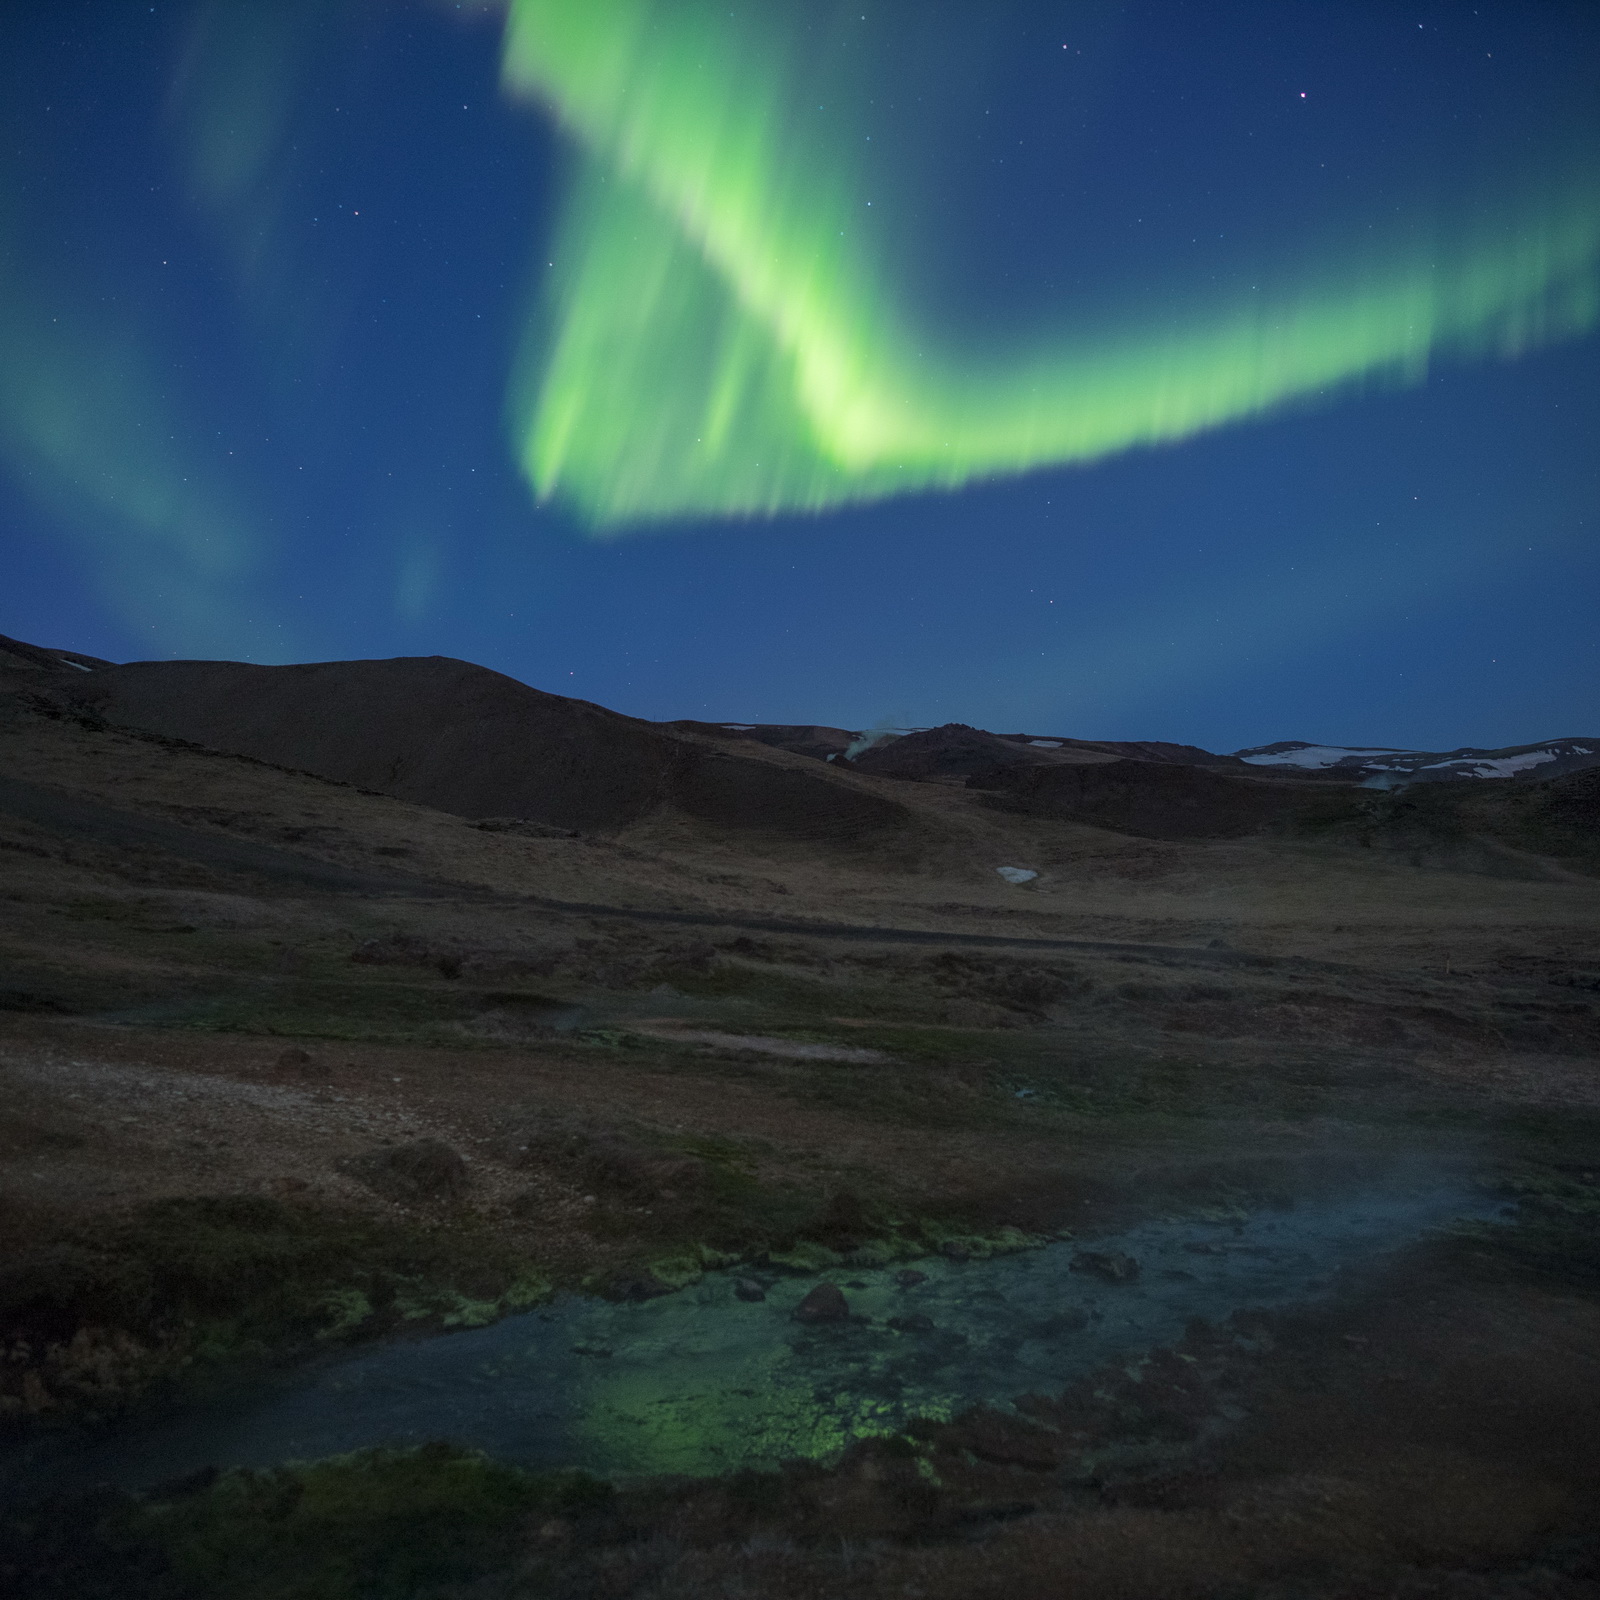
(1496, 766)
(1318, 755)
(1017, 874)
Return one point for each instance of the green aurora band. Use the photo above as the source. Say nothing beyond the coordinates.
(719, 335)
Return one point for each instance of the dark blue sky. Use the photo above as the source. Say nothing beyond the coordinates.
(266, 269)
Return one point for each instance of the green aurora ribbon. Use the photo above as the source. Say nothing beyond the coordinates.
(719, 336)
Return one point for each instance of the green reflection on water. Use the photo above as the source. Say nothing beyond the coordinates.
(693, 1415)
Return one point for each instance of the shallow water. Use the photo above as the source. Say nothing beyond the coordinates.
(702, 1382)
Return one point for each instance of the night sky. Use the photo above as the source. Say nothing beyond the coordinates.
(1216, 372)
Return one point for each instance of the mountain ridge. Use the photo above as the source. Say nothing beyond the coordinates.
(467, 740)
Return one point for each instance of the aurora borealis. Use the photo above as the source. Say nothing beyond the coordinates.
(1070, 366)
(726, 339)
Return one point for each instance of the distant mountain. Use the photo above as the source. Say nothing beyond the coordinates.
(464, 739)
(951, 750)
(1381, 767)
(802, 739)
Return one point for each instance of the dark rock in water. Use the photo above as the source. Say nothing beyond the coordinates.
(590, 1350)
(909, 1277)
(1006, 1441)
(1107, 1264)
(825, 1303)
(423, 1169)
(915, 1323)
(955, 1252)
(646, 1287)
(749, 1289)
(1074, 1321)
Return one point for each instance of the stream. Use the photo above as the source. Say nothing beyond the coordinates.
(704, 1382)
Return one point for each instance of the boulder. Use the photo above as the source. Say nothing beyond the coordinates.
(1110, 1265)
(1006, 1441)
(825, 1303)
(645, 1287)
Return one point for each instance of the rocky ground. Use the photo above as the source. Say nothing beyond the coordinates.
(289, 1063)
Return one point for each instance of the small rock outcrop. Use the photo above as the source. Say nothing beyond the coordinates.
(421, 1170)
(1110, 1265)
(304, 1064)
(646, 1286)
(825, 1303)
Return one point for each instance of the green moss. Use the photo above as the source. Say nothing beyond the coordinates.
(690, 1264)
(231, 1277)
(379, 1525)
(806, 1256)
(879, 1252)
(346, 1310)
(615, 1039)
(448, 1307)
(676, 1271)
(527, 1289)
(647, 1421)
(946, 1239)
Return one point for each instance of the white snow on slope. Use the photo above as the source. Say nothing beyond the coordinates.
(1386, 767)
(1497, 766)
(1318, 755)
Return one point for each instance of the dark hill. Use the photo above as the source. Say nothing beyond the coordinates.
(15, 656)
(1155, 800)
(463, 739)
(804, 739)
(1557, 817)
(954, 751)
(1189, 755)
